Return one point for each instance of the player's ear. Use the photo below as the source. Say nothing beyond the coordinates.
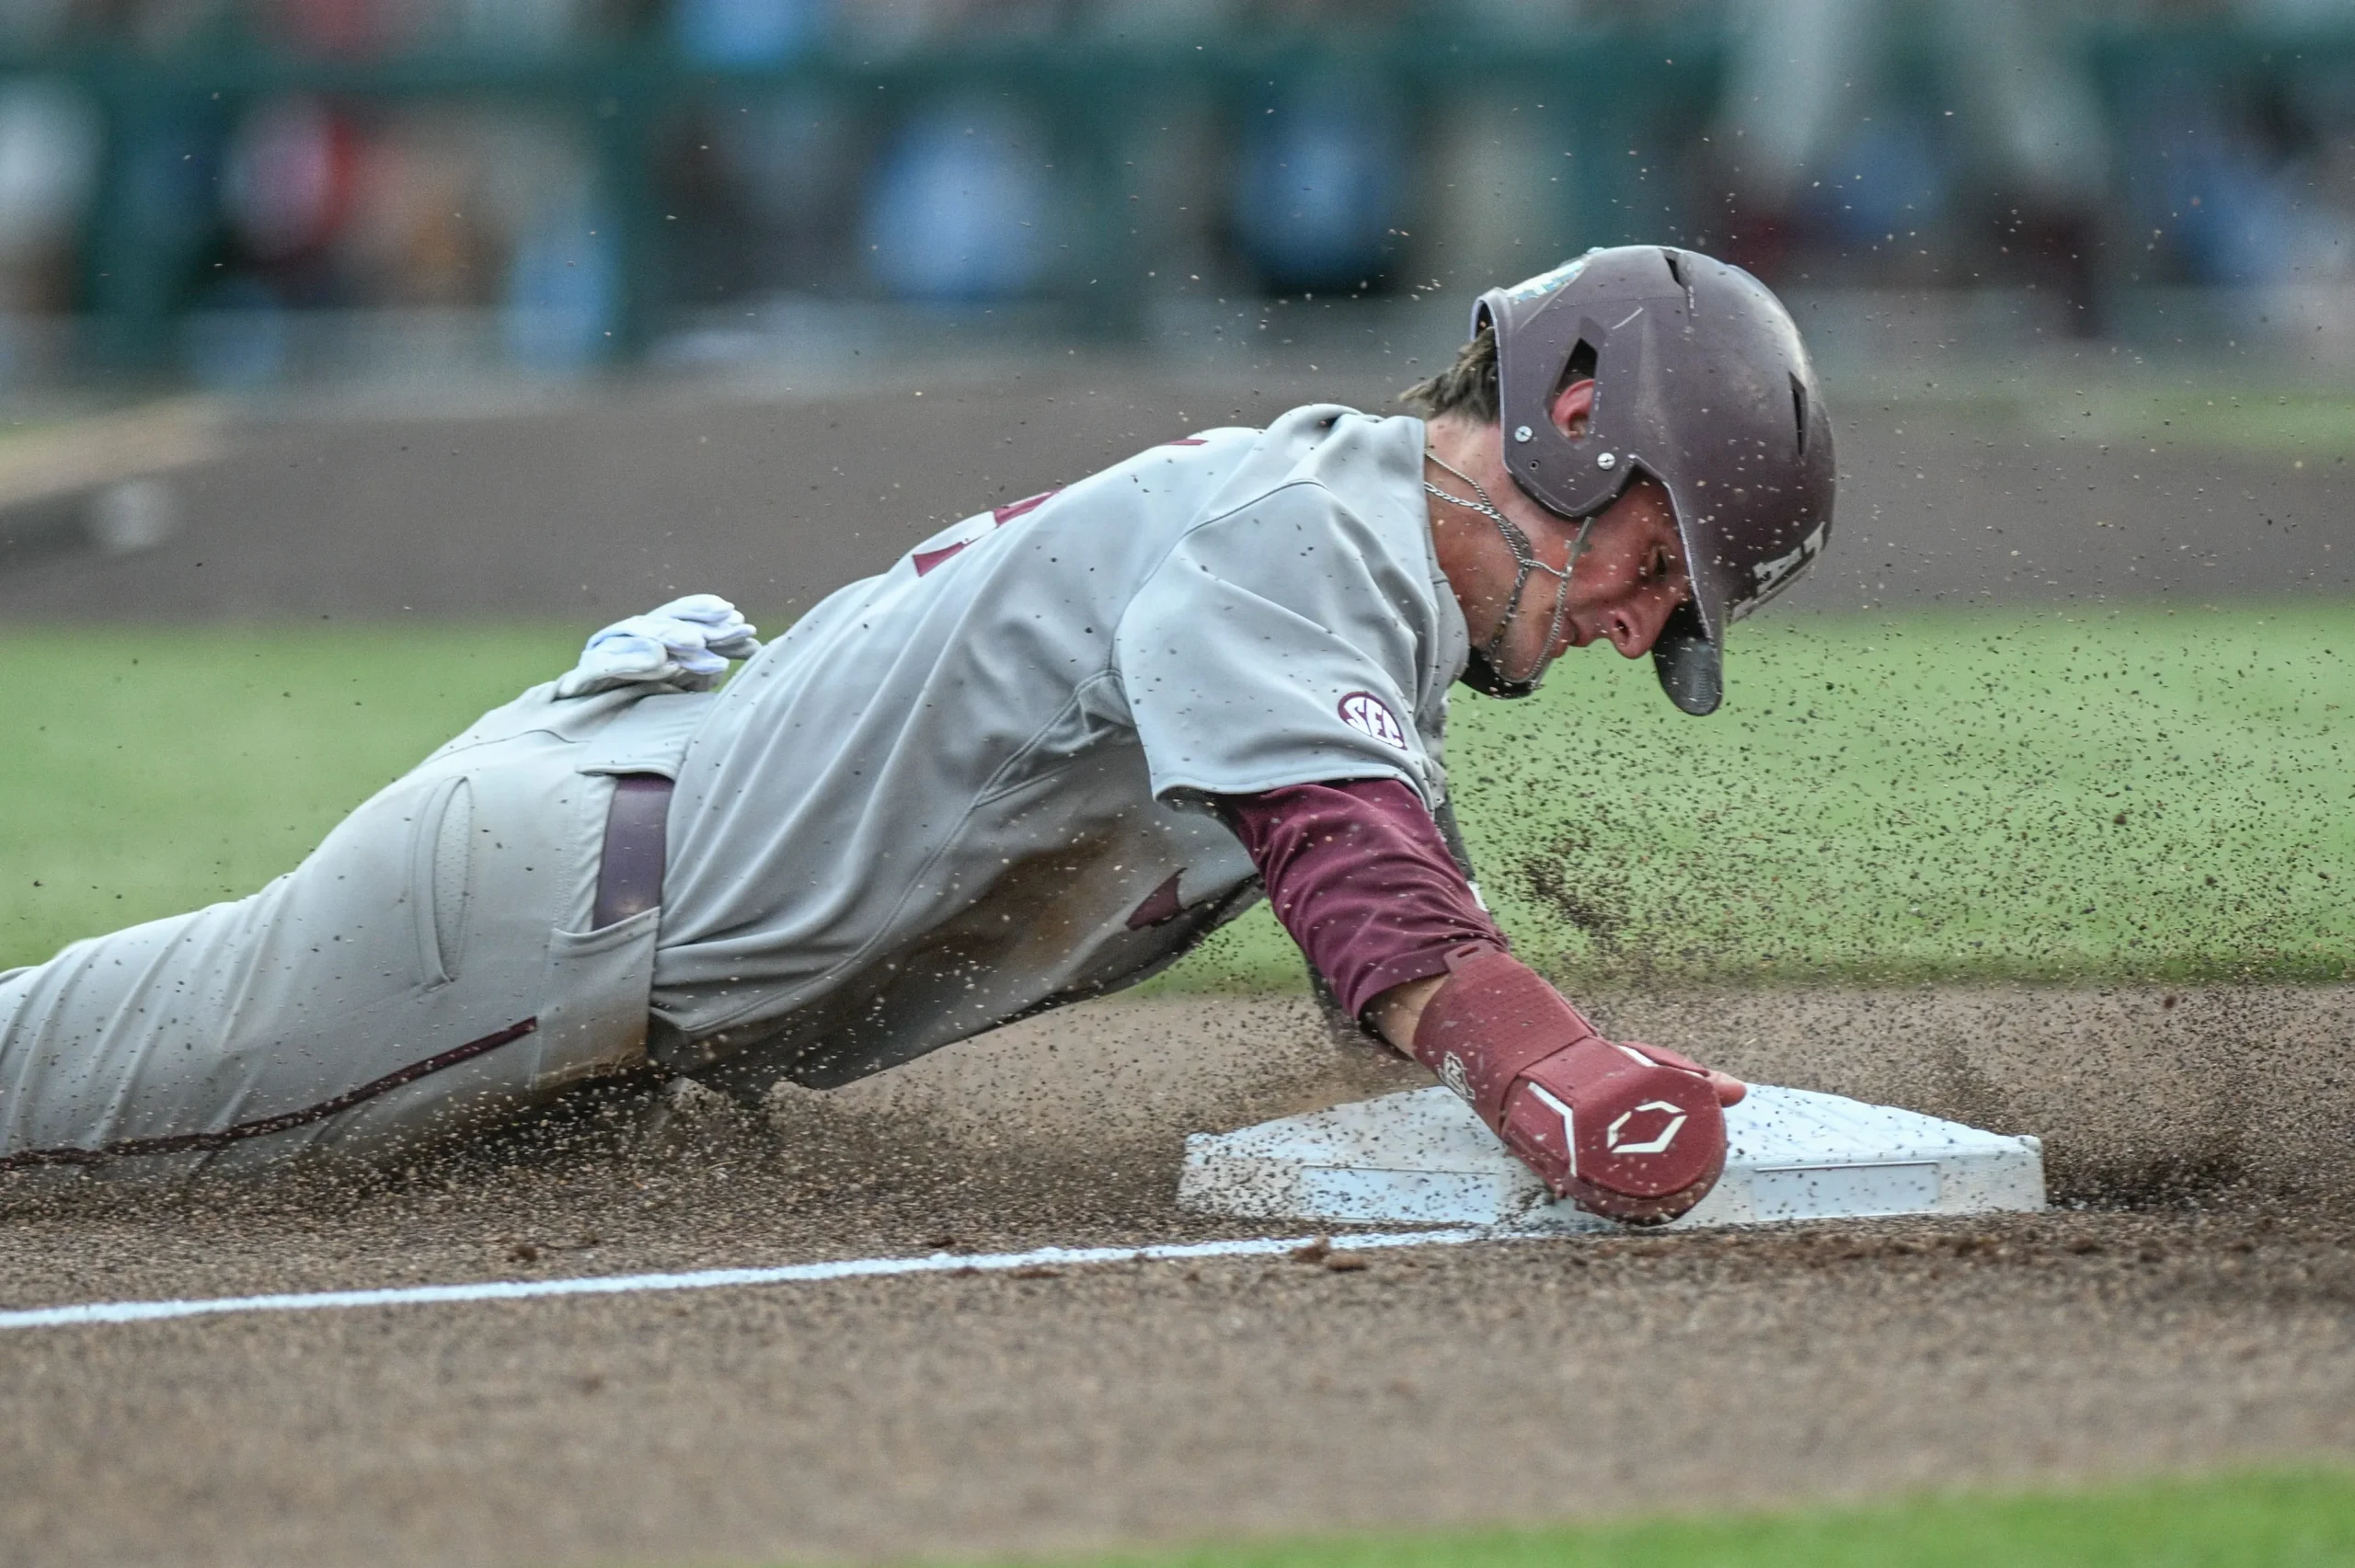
(1572, 408)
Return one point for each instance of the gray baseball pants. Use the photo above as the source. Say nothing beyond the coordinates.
(427, 971)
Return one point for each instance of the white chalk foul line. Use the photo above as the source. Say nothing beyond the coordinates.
(723, 1278)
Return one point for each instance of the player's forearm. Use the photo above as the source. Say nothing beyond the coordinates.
(1397, 1011)
(1359, 874)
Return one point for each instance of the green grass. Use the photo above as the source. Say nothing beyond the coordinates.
(2080, 796)
(2266, 1520)
(2299, 427)
(149, 772)
(2305, 429)
(2089, 795)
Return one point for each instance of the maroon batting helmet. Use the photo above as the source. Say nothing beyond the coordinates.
(1701, 382)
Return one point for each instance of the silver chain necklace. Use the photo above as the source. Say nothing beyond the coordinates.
(1526, 564)
(1483, 505)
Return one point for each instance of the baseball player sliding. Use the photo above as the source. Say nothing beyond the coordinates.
(1035, 760)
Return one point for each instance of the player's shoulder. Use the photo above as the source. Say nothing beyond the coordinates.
(1301, 432)
(1317, 428)
(1347, 452)
(1330, 458)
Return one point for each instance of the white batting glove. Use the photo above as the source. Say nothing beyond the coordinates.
(683, 645)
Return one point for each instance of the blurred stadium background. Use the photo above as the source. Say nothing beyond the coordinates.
(254, 195)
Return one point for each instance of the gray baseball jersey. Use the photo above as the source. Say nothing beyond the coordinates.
(972, 786)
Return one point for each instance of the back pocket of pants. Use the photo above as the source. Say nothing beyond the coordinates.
(594, 1012)
(442, 858)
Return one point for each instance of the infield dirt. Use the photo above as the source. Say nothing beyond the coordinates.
(2201, 1307)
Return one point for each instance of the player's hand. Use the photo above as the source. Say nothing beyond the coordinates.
(1632, 1132)
(683, 645)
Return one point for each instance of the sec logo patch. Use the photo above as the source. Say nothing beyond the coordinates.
(1368, 714)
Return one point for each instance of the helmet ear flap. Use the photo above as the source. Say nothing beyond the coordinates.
(1691, 668)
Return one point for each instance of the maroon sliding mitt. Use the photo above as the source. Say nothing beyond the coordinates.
(1630, 1132)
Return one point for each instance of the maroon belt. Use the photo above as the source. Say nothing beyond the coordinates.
(629, 877)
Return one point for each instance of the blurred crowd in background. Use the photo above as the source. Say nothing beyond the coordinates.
(182, 180)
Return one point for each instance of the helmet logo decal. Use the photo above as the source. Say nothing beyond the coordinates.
(1659, 1143)
(1368, 714)
(1772, 574)
(1547, 282)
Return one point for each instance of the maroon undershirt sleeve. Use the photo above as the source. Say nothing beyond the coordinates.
(1360, 875)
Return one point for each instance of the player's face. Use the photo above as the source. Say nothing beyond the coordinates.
(1622, 589)
(1629, 581)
